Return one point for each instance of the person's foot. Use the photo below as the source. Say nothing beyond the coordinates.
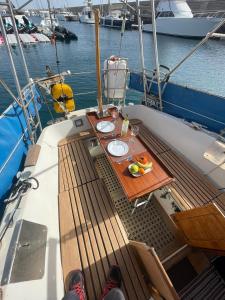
(75, 283)
(114, 280)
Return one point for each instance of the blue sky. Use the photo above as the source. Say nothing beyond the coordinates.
(57, 3)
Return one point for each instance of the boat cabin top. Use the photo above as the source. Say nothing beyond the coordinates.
(176, 9)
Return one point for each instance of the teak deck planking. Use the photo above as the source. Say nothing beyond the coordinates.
(76, 165)
(92, 236)
(191, 187)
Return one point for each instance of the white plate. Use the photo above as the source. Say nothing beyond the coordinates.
(138, 174)
(105, 126)
(118, 148)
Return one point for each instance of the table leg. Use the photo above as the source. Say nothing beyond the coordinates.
(138, 203)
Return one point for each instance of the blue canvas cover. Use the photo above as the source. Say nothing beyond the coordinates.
(14, 142)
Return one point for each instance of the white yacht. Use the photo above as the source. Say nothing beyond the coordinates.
(87, 15)
(176, 18)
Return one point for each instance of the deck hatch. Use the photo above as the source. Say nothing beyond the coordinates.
(26, 256)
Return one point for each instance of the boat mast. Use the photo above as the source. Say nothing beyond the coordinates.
(18, 87)
(9, 4)
(109, 7)
(98, 64)
(156, 57)
(141, 47)
(50, 15)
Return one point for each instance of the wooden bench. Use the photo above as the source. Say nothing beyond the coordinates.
(191, 188)
(75, 164)
(92, 237)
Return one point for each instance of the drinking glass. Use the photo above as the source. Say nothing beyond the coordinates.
(115, 116)
(134, 130)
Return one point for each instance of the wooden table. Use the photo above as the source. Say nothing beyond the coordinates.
(134, 187)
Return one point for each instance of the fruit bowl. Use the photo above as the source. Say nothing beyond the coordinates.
(134, 170)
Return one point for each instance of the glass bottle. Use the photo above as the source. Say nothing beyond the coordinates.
(125, 126)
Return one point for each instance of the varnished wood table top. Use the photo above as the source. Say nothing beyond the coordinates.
(134, 187)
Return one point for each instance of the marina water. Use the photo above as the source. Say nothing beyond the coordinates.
(204, 70)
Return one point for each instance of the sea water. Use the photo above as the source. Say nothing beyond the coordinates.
(205, 70)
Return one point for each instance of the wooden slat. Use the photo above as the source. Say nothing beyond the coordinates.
(62, 170)
(137, 277)
(114, 243)
(220, 201)
(68, 181)
(72, 168)
(199, 178)
(89, 161)
(191, 188)
(61, 166)
(75, 165)
(81, 229)
(101, 223)
(156, 145)
(78, 162)
(95, 234)
(75, 137)
(68, 237)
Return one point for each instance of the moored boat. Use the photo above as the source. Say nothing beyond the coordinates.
(115, 20)
(87, 16)
(50, 26)
(175, 18)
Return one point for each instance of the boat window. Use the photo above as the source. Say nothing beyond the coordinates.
(167, 14)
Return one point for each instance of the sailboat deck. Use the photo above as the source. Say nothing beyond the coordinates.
(95, 220)
(92, 236)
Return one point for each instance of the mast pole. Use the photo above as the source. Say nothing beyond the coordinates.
(141, 47)
(18, 87)
(98, 63)
(18, 40)
(156, 57)
(50, 15)
(109, 7)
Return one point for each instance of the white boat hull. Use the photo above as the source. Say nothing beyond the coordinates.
(85, 19)
(184, 27)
